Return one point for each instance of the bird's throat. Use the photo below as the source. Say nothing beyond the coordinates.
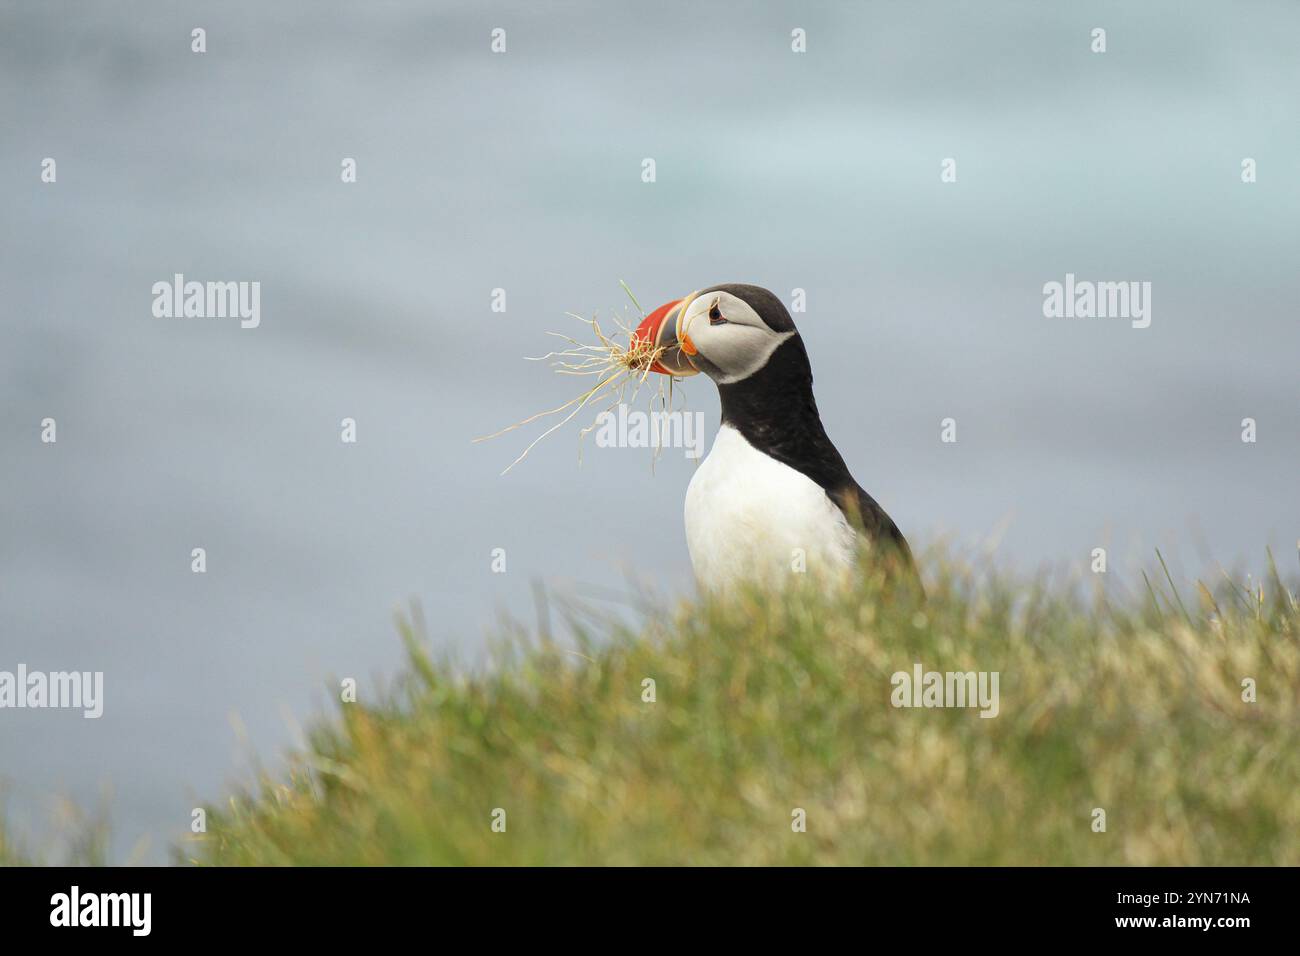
(775, 411)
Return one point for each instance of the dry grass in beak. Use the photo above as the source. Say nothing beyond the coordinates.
(620, 370)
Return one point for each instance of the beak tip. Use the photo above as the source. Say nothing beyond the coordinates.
(659, 329)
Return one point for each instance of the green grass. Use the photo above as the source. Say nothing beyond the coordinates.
(10, 853)
(772, 703)
(79, 838)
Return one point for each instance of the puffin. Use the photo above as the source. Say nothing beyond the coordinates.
(773, 498)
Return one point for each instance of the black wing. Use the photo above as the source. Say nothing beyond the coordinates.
(869, 519)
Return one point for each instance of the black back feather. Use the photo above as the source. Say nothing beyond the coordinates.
(775, 411)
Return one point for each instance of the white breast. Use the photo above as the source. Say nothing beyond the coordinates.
(750, 517)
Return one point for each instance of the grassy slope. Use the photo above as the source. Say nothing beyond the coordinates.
(782, 702)
(10, 854)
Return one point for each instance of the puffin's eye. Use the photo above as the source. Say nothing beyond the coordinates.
(715, 315)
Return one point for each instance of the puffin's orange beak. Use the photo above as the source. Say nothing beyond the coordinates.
(662, 329)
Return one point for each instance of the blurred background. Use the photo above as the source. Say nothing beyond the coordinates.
(522, 171)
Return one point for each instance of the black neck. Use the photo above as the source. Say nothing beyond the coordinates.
(775, 411)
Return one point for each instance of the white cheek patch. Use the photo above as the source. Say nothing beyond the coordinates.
(743, 355)
(737, 348)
